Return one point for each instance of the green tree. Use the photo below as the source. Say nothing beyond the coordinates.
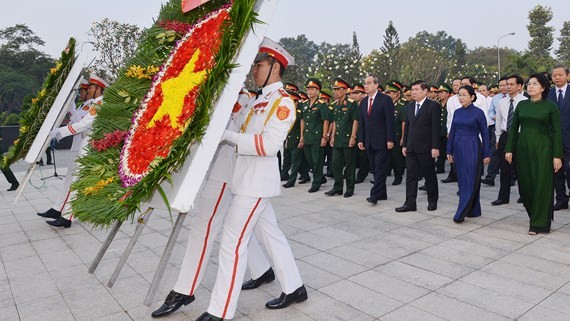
(23, 67)
(563, 52)
(304, 51)
(521, 64)
(115, 42)
(385, 62)
(541, 35)
(340, 60)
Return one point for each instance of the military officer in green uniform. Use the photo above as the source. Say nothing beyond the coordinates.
(292, 147)
(10, 177)
(396, 161)
(442, 96)
(357, 94)
(314, 129)
(289, 87)
(343, 142)
(326, 96)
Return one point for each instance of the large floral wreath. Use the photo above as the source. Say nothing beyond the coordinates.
(159, 106)
(31, 120)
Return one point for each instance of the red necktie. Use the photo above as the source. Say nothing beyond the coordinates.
(369, 106)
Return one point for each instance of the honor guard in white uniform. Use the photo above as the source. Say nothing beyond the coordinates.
(80, 128)
(209, 212)
(254, 181)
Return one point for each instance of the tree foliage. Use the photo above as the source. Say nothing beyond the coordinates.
(563, 52)
(340, 60)
(541, 35)
(115, 42)
(304, 52)
(23, 67)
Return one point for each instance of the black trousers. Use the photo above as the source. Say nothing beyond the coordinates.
(10, 177)
(417, 165)
(495, 164)
(440, 163)
(378, 160)
(506, 169)
(562, 179)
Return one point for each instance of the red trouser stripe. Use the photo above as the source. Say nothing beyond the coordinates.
(236, 259)
(206, 239)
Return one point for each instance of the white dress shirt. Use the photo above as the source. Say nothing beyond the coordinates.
(503, 112)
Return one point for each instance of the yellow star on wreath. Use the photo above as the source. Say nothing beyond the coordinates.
(175, 89)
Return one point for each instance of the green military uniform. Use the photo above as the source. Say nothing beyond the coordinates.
(292, 154)
(345, 113)
(440, 162)
(10, 177)
(361, 155)
(326, 96)
(396, 158)
(313, 117)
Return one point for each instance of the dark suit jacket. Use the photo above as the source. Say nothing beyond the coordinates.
(378, 128)
(421, 132)
(564, 115)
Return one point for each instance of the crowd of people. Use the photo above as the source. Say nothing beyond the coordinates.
(392, 128)
(519, 129)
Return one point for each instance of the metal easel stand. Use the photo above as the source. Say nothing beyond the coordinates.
(140, 227)
(164, 259)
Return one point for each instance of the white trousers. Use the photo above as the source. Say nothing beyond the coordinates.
(210, 210)
(65, 196)
(244, 214)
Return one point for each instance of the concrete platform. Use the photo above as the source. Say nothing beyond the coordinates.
(358, 261)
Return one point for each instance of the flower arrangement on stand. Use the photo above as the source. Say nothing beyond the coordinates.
(31, 120)
(161, 104)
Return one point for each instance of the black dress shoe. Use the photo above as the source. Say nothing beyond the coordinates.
(423, 188)
(397, 181)
(487, 181)
(456, 220)
(208, 317)
(520, 200)
(448, 180)
(14, 187)
(60, 222)
(266, 277)
(51, 213)
(359, 180)
(173, 302)
(324, 181)
(432, 207)
(49, 163)
(498, 202)
(371, 200)
(333, 192)
(285, 300)
(560, 205)
(382, 198)
(405, 208)
(313, 189)
(348, 194)
(289, 184)
(304, 180)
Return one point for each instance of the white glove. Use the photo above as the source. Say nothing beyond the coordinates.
(230, 137)
(55, 134)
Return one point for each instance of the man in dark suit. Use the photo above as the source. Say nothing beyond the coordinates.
(421, 146)
(376, 134)
(560, 95)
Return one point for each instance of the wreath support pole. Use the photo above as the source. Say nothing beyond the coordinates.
(149, 299)
(104, 247)
(140, 227)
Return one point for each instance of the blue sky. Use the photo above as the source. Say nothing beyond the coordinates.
(478, 23)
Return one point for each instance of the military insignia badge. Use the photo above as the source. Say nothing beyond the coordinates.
(282, 112)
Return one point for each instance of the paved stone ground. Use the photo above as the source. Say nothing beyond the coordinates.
(359, 262)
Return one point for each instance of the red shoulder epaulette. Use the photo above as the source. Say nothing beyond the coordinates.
(283, 92)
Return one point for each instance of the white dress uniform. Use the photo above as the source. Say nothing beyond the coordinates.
(80, 131)
(255, 180)
(209, 213)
